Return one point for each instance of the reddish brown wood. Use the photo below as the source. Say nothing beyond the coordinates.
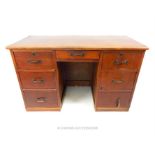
(78, 43)
(122, 60)
(36, 98)
(113, 100)
(77, 55)
(48, 70)
(34, 60)
(45, 65)
(38, 80)
(117, 80)
(117, 75)
(77, 73)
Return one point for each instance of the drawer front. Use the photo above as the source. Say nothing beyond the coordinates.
(38, 80)
(77, 55)
(40, 98)
(113, 100)
(35, 60)
(122, 60)
(117, 80)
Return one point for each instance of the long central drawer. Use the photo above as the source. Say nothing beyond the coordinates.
(77, 55)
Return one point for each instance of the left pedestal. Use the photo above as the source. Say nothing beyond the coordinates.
(38, 78)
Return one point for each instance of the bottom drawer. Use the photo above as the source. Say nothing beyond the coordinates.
(40, 99)
(113, 100)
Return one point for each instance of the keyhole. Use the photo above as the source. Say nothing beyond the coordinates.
(33, 54)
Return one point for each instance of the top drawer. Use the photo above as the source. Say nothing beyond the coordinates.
(126, 60)
(30, 60)
(63, 55)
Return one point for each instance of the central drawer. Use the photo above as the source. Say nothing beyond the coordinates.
(67, 55)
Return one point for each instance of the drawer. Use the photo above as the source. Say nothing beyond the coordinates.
(117, 80)
(122, 60)
(42, 99)
(113, 100)
(35, 60)
(38, 80)
(77, 55)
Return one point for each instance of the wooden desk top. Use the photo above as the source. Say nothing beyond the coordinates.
(79, 43)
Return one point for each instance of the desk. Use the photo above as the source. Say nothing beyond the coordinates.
(45, 65)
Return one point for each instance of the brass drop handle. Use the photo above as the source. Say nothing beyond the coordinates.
(118, 102)
(117, 81)
(34, 61)
(41, 99)
(120, 62)
(81, 54)
(38, 81)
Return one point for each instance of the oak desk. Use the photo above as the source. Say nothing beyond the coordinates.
(45, 65)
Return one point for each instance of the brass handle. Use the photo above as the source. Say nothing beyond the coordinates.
(34, 61)
(118, 102)
(119, 62)
(117, 81)
(78, 54)
(41, 99)
(37, 81)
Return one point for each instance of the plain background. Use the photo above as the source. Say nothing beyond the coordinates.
(119, 133)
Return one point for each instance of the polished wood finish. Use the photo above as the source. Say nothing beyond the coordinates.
(38, 80)
(43, 98)
(77, 73)
(117, 80)
(34, 60)
(78, 43)
(122, 60)
(113, 100)
(45, 65)
(77, 55)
